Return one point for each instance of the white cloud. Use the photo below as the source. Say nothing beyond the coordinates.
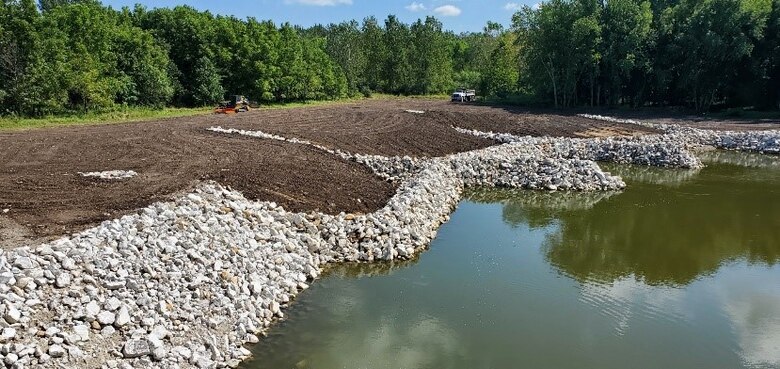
(448, 11)
(320, 2)
(415, 7)
(513, 6)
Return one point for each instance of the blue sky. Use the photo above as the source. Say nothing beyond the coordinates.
(457, 15)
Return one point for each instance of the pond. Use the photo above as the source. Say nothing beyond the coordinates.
(680, 270)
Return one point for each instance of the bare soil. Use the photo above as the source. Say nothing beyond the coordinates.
(45, 196)
(383, 127)
(40, 186)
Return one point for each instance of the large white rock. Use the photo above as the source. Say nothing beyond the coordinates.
(56, 351)
(82, 331)
(106, 317)
(12, 314)
(7, 334)
(136, 348)
(122, 317)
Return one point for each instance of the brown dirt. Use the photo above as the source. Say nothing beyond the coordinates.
(383, 127)
(540, 122)
(46, 197)
(40, 185)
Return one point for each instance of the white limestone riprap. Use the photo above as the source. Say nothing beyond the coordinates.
(523, 164)
(669, 151)
(187, 283)
(765, 142)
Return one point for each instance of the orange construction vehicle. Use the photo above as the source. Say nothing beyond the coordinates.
(236, 104)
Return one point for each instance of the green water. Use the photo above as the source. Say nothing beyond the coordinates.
(679, 271)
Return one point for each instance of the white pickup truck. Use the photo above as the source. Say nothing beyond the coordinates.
(463, 95)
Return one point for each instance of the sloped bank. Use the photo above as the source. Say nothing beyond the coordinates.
(187, 283)
(669, 151)
(764, 142)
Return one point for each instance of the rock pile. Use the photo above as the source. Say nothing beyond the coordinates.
(188, 283)
(525, 163)
(519, 165)
(652, 150)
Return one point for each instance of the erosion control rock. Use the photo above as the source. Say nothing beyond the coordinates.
(188, 282)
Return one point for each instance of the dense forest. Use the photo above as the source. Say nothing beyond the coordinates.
(61, 56)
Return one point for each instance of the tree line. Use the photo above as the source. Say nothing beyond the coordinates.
(61, 56)
(695, 53)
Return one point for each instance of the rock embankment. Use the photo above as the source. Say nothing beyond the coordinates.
(765, 142)
(523, 163)
(188, 283)
(669, 151)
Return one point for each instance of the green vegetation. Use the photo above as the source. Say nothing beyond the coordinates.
(66, 57)
(695, 53)
(115, 116)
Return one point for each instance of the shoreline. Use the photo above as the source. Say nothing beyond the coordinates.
(169, 286)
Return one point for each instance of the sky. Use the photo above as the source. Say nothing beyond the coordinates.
(456, 15)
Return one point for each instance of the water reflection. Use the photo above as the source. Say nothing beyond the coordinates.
(752, 304)
(662, 235)
(364, 270)
(658, 276)
(739, 158)
(651, 175)
(625, 298)
(537, 209)
(379, 336)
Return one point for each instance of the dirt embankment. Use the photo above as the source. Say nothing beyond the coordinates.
(41, 187)
(45, 196)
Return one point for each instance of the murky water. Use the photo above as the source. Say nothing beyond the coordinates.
(681, 270)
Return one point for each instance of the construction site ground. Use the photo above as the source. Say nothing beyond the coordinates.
(42, 194)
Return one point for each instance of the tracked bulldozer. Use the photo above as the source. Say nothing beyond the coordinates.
(236, 104)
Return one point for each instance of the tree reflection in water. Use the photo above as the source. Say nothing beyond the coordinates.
(658, 234)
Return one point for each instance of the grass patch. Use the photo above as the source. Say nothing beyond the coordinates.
(117, 116)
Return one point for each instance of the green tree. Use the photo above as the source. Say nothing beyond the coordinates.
(706, 41)
(559, 45)
(502, 74)
(396, 71)
(18, 44)
(375, 53)
(343, 44)
(626, 36)
(431, 58)
(207, 83)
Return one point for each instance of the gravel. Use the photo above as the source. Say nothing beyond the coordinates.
(187, 283)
